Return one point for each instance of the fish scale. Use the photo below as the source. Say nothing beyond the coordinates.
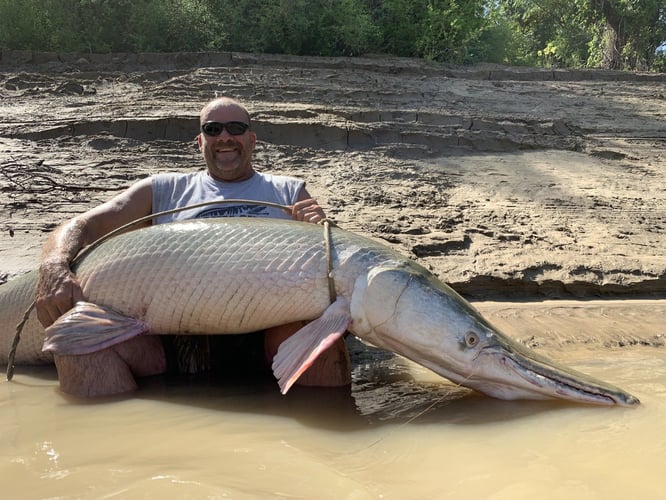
(203, 277)
(15, 298)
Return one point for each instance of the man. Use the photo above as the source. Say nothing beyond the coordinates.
(227, 143)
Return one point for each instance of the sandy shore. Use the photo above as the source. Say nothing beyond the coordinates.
(509, 183)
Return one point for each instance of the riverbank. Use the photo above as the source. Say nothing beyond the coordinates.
(506, 182)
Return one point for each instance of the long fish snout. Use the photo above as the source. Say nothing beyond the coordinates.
(449, 336)
(508, 370)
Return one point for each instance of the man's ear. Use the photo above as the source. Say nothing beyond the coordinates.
(199, 139)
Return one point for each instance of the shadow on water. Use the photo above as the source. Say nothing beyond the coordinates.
(384, 391)
(41, 373)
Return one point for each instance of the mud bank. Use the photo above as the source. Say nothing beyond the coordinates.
(506, 182)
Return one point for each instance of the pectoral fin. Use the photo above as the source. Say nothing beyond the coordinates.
(90, 328)
(296, 354)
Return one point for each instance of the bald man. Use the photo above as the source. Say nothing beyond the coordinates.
(227, 142)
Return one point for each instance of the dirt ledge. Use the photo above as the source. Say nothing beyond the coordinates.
(506, 182)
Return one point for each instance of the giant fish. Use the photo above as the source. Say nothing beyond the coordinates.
(218, 276)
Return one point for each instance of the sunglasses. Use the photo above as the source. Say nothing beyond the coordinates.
(215, 128)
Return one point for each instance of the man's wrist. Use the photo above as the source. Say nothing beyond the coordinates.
(55, 262)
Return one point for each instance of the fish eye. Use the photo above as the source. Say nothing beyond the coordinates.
(471, 339)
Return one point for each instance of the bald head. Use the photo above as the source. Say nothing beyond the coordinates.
(228, 156)
(222, 104)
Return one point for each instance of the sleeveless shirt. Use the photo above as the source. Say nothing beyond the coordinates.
(173, 190)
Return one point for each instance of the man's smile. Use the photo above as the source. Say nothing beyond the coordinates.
(227, 151)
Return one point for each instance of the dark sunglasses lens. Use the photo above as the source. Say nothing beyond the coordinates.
(236, 128)
(215, 128)
(212, 128)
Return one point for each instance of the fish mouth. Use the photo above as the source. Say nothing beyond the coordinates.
(526, 374)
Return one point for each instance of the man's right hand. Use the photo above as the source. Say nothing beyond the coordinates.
(57, 288)
(57, 291)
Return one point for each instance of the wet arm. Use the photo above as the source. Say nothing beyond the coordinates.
(57, 288)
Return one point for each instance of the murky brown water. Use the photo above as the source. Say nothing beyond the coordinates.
(400, 433)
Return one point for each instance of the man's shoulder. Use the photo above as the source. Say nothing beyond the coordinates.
(276, 179)
(175, 177)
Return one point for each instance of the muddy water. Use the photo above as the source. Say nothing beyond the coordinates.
(400, 432)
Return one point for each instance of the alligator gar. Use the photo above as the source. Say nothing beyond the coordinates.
(218, 276)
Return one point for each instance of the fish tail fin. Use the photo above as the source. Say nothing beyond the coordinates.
(88, 328)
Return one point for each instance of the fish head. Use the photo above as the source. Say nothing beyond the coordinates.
(503, 368)
(414, 314)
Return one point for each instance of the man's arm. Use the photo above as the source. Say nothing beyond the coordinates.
(57, 288)
(307, 209)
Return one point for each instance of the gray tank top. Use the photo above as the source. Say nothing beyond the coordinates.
(172, 190)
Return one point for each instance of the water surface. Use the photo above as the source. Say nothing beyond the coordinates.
(400, 432)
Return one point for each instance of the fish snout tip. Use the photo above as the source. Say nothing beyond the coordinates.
(629, 400)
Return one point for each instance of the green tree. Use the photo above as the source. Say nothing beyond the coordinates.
(617, 34)
(108, 25)
(400, 25)
(440, 30)
(450, 28)
(30, 24)
(627, 32)
(305, 27)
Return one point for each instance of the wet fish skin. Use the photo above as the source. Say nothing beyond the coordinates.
(242, 275)
(15, 297)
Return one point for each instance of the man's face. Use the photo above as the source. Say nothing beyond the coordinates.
(228, 157)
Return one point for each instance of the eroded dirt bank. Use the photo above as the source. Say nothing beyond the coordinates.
(506, 182)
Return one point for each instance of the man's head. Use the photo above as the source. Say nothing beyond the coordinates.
(227, 153)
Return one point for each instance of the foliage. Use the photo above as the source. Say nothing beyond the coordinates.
(314, 27)
(659, 63)
(440, 30)
(399, 22)
(106, 25)
(620, 34)
(450, 27)
(616, 34)
(627, 32)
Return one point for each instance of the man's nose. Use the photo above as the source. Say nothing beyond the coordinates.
(225, 134)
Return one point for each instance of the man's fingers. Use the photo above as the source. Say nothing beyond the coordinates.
(307, 211)
(52, 301)
(77, 295)
(49, 311)
(47, 315)
(311, 217)
(308, 215)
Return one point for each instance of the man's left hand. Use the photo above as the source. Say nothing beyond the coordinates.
(308, 211)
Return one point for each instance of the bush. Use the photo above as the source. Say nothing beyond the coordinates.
(305, 27)
(659, 64)
(108, 25)
(546, 32)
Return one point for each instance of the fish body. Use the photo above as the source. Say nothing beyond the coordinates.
(228, 276)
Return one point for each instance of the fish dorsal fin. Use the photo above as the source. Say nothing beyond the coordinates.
(88, 327)
(296, 354)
